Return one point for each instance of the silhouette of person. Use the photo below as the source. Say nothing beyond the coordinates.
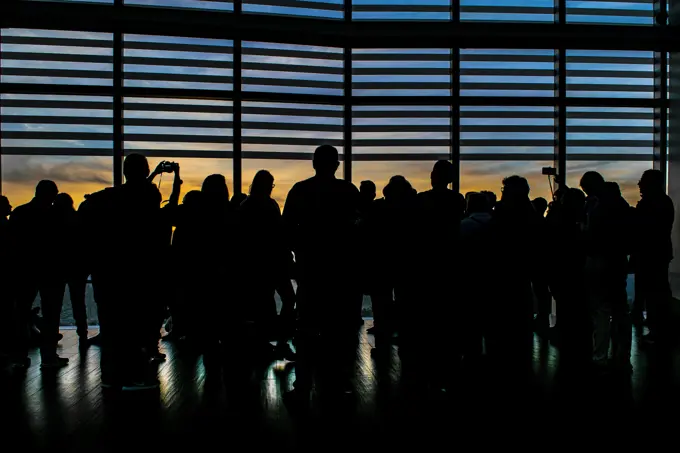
(540, 204)
(567, 277)
(475, 253)
(440, 212)
(321, 213)
(6, 285)
(73, 267)
(189, 245)
(219, 276)
(608, 221)
(266, 261)
(540, 283)
(515, 227)
(389, 244)
(127, 219)
(32, 232)
(653, 251)
(367, 194)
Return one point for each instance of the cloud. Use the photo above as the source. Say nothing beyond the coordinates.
(31, 169)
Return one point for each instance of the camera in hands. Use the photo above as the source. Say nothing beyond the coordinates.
(168, 167)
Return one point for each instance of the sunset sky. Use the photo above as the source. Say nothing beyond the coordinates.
(80, 175)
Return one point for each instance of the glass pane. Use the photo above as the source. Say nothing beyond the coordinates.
(610, 131)
(178, 127)
(75, 175)
(57, 57)
(222, 5)
(401, 72)
(476, 176)
(507, 72)
(193, 171)
(511, 130)
(271, 128)
(416, 130)
(286, 173)
(319, 9)
(507, 10)
(178, 62)
(291, 68)
(627, 174)
(401, 9)
(417, 173)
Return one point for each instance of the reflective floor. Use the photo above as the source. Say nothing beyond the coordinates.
(65, 410)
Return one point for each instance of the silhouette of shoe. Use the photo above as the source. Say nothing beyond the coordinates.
(54, 362)
(140, 386)
(96, 340)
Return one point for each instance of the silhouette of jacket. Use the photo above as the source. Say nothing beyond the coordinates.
(321, 215)
(654, 216)
(31, 233)
(608, 228)
(261, 237)
(68, 246)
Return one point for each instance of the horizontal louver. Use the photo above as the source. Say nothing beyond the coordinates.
(507, 10)
(626, 132)
(401, 132)
(220, 5)
(630, 12)
(507, 130)
(57, 57)
(401, 72)
(525, 73)
(57, 125)
(610, 74)
(174, 62)
(288, 68)
(278, 130)
(71, 1)
(401, 10)
(324, 9)
(178, 127)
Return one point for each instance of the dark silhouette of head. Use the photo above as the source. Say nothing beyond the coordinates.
(651, 183)
(5, 207)
(193, 198)
(46, 191)
(540, 205)
(64, 203)
(442, 174)
(368, 190)
(493, 199)
(592, 183)
(477, 203)
(398, 189)
(215, 188)
(611, 190)
(263, 184)
(573, 202)
(136, 168)
(326, 161)
(515, 188)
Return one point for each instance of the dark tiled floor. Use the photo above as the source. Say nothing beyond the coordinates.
(67, 411)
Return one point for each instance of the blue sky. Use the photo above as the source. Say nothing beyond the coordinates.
(203, 126)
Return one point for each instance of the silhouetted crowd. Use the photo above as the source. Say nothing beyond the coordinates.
(485, 270)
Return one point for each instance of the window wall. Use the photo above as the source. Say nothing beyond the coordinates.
(496, 111)
(74, 103)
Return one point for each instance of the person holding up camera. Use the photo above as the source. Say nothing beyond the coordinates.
(129, 221)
